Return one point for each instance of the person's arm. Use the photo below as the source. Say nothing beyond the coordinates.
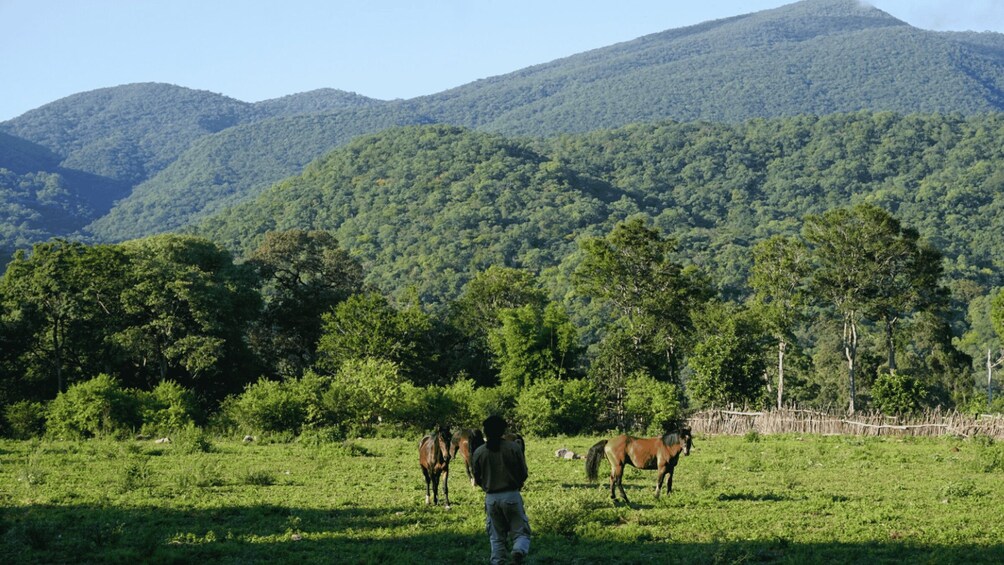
(476, 467)
(520, 473)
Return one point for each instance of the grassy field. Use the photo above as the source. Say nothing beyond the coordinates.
(792, 499)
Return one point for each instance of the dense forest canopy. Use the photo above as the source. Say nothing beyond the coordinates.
(169, 156)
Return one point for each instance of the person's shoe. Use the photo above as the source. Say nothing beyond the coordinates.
(518, 557)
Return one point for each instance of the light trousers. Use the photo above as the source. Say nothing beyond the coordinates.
(505, 517)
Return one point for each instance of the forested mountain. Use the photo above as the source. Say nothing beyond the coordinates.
(426, 207)
(40, 199)
(228, 167)
(183, 154)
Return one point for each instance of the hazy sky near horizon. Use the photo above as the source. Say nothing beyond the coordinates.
(254, 50)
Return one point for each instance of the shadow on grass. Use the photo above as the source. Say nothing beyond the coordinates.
(274, 534)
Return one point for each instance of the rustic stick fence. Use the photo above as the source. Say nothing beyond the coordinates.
(785, 421)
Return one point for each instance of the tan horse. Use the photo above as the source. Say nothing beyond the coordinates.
(434, 457)
(642, 453)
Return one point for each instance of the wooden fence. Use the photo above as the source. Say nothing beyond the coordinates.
(794, 421)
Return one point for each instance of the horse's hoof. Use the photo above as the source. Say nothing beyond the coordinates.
(446, 507)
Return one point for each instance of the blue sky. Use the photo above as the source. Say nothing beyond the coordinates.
(254, 50)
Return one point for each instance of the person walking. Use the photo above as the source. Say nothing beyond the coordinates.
(499, 468)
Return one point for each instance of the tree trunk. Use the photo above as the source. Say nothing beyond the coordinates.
(851, 353)
(890, 344)
(781, 346)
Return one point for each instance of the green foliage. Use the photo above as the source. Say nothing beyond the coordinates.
(168, 408)
(532, 344)
(25, 419)
(728, 360)
(267, 407)
(898, 394)
(550, 406)
(366, 390)
(93, 408)
(651, 405)
(368, 326)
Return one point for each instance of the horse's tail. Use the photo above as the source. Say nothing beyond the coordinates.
(593, 459)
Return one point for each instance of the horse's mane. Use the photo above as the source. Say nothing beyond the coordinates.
(673, 438)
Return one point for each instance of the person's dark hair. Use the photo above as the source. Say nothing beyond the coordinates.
(494, 427)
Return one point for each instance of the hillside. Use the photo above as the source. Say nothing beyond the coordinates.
(233, 165)
(184, 154)
(39, 199)
(428, 206)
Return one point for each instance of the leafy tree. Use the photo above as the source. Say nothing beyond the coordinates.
(367, 326)
(779, 279)
(651, 405)
(304, 273)
(867, 264)
(532, 344)
(187, 308)
(476, 313)
(728, 362)
(61, 299)
(631, 269)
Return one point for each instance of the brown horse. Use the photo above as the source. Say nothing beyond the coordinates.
(434, 457)
(465, 442)
(642, 453)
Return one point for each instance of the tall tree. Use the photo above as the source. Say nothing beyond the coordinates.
(779, 278)
(476, 313)
(867, 264)
(304, 274)
(63, 295)
(188, 308)
(632, 270)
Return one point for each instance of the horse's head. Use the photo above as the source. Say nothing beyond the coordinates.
(443, 438)
(686, 439)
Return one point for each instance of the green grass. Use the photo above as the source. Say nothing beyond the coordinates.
(794, 499)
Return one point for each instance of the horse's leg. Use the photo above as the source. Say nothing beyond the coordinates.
(613, 481)
(669, 479)
(446, 487)
(435, 488)
(428, 480)
(620, 485)
(658, 481)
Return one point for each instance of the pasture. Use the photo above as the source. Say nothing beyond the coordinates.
(735, 499)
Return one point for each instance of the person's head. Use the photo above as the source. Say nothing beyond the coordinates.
(494, 427)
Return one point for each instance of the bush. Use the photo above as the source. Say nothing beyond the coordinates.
(91, 408)
(169, 407)
(365, 391)
(550, 406)
(25, 419)
(653, 405)
(898, 394)
(266, 407)
(493, 400)
(424, 408)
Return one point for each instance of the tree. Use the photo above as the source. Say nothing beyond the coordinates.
(187, 309)
(778, 278)
(367, 326)
(631, 270)
(531, 344)
(727, 360)
(62, 298)
(304, 274)
(477, 312)
(867, 264)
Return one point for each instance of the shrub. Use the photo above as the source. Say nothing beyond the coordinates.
(94, 407)
(266, 406)
(365, 391)
(653, 405)
(169, 407)
(550, 406)
(25, 419)
(493, 400)
(423, 408)
(898, 394)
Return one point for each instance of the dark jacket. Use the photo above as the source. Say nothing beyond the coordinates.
(499, 471)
